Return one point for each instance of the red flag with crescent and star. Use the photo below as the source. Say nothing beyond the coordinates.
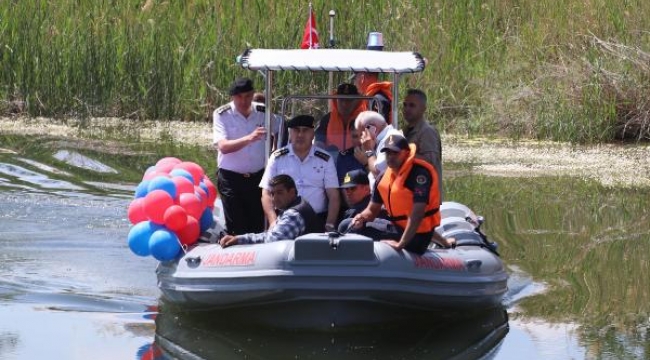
(310, 35)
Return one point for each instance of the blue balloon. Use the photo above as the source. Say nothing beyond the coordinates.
(142, 189)
(162, 183)
(206, 220)
(139, 235)
(164, 245)
(182, 172)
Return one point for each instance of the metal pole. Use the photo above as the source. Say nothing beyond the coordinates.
(267, 115)
(394, 102)
(330, 84)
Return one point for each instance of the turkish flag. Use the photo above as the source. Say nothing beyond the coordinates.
(310, 36)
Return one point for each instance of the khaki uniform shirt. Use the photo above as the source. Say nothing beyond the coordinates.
(429, 148)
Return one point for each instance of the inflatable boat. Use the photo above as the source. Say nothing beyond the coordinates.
(333, 279)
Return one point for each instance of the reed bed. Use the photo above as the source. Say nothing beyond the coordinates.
(572, 71)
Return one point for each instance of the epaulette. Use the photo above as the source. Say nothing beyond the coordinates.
(260, 108)
(322, 155)
(281, 152)
(223, 109)
(345, 152)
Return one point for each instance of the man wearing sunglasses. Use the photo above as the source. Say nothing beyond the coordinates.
(421, 133)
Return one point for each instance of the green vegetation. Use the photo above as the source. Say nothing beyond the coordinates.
(569, 71)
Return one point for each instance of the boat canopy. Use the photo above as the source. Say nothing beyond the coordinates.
(332, 60)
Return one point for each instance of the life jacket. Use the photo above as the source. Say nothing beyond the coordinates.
(313, 224)
(337, 134)
(385, 89)
(398, 199)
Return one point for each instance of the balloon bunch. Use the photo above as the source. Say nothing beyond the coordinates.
(173, 204)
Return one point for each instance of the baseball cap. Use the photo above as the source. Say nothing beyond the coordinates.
(355, 177)
(347, 89)
(301, 120)
(395, 143)
(241, 85)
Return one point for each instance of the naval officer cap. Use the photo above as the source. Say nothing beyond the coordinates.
(241, 85)
(301, 120)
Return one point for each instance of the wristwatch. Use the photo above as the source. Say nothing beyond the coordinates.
(370, 153)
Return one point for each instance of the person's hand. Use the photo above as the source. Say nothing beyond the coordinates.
(258, 134)
(392, 243)
(228, 240)
(357, 222)
(368, 140)
(360, 155)
(330, 227)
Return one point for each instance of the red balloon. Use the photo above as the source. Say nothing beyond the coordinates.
(212, 190)
(193, 168)
(183, 185)
(155, 204)
(189, 234)
(192, 204)
(203, 196)
(165, 168)
(136, 211)
(175, 217)
(169, 160)
(152, 174)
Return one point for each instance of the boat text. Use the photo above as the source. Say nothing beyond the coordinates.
(230, 259)
(439, 263)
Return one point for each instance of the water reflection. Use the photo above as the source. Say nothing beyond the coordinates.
(202, 336)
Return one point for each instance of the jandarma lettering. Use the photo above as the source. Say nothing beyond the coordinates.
(231, 259)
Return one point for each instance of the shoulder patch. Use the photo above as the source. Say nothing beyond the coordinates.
(344, 152)
(260, 108)
(223, 109)
(322, 155)
(281, 152)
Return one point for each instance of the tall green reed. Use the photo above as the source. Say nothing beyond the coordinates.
(507, 67)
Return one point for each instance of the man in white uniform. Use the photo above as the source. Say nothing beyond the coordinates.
(238, 136)
(312, 168)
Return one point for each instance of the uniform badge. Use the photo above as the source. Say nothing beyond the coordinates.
(421, 179)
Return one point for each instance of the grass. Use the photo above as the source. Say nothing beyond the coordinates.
(572, 72)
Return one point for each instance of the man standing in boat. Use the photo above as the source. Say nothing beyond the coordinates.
(419, 132)
(334, 130)
(296, 216)
(369, 85)
(238, 136)
(409, 192)
(312, 167)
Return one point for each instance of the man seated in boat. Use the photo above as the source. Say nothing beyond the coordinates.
(356, 192)
(313, 170)
(409, 192)
(295, 216)
(374, 131)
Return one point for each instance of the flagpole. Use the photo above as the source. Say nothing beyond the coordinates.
(311, 25)
(331, 45)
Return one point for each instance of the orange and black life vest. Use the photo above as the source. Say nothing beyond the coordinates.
(385, 89)
(337, 133)
(398, 199)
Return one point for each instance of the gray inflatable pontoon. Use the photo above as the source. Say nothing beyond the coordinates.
(323, 280)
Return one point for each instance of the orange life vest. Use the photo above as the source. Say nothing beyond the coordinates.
(337, 134)
(398, 199)
(385, 88)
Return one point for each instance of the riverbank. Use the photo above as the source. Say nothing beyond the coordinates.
(611, 165)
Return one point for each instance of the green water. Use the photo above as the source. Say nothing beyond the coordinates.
(587, 245)
(590, 245)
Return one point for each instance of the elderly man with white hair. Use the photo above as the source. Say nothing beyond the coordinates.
(374, 131)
